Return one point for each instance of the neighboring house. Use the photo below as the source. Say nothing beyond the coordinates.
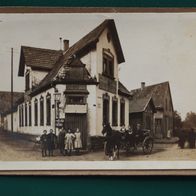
(5, 108)
(141, 111)
(86, 78)
(161, 95)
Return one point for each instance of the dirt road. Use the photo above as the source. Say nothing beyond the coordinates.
(16, 149)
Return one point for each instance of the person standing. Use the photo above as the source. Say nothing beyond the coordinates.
(43, 140)
(69, 137)
(191, 138)
(61, 141)
(51, 140)
(77, 141)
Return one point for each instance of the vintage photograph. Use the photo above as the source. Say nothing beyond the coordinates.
(97, 91)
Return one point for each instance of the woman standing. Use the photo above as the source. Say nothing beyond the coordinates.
(69, 137)
(78, 141)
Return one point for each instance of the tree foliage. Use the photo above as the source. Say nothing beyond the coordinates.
(190, 120)
(177, 120)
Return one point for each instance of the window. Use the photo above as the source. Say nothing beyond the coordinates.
(27, 80)
(122, 112)
(108, 65)
(114, 112)
(76, 100)
(106, 109)
(48, 109)
(36, 112)
(41, 111)
(22, 116)
(25, 114)
(166, 104)
(30, 119)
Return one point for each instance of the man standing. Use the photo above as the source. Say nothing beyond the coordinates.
(61, 140)
(191, 138)
(51, 140)
(43, 140)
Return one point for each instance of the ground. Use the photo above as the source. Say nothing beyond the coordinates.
(18, 149)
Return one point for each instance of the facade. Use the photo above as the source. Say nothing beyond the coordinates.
(141, 110)
(77, 87)
(161, 95)
(5, 108)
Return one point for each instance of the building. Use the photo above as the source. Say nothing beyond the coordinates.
(5, 108)
(141, 111)
(161, 95)
(77, 87)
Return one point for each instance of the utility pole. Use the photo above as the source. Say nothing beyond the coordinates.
(12, 90)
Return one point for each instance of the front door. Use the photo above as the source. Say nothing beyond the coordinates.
(74, 121)
(158, 128)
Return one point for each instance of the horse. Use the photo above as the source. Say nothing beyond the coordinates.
(113, 142)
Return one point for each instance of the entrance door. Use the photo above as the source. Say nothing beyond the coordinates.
(74, 121)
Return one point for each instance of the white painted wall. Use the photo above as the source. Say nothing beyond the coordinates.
(91, 110)
(37, 130)
(7, 124)
(37, 76)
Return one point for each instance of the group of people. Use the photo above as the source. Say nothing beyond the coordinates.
(189, 136)
(66, 141)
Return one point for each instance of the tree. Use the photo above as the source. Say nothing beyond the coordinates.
(190, 120)
(177, 120)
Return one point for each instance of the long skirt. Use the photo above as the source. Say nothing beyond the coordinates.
(69, 145)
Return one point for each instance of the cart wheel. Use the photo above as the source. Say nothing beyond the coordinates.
(147, 145)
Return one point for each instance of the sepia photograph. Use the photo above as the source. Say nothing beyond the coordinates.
(98, 91)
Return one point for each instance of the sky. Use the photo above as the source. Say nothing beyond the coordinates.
(158, 47)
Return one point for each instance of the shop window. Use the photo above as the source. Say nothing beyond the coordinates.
(48, 109)
(78, 100)
(41, 111)
(36, 112)
(106, 109)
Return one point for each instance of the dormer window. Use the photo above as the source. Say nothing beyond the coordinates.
(108, 63)
(27, 80)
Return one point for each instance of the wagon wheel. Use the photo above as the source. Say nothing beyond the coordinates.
(147, 145)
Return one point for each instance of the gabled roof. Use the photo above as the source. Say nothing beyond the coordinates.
(140, 104)
(122, 89)
(93, 37)
(156, 91)
(79, 47)
(5, 100)
(37, 58)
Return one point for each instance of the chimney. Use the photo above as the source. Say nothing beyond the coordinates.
(142, 85)
(66, 44)
(60, 38)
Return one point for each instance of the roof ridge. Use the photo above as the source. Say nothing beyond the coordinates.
(10, 92)
(152, 85)
(38, 48)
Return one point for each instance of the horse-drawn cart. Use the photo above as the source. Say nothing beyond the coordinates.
(129, 141)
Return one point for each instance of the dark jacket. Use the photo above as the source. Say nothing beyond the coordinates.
(43, 140)
(51, 140)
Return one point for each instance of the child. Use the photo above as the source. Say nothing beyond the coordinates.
(69, 142)
(78, 141)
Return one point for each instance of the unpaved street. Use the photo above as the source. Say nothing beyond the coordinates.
(17, 149)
